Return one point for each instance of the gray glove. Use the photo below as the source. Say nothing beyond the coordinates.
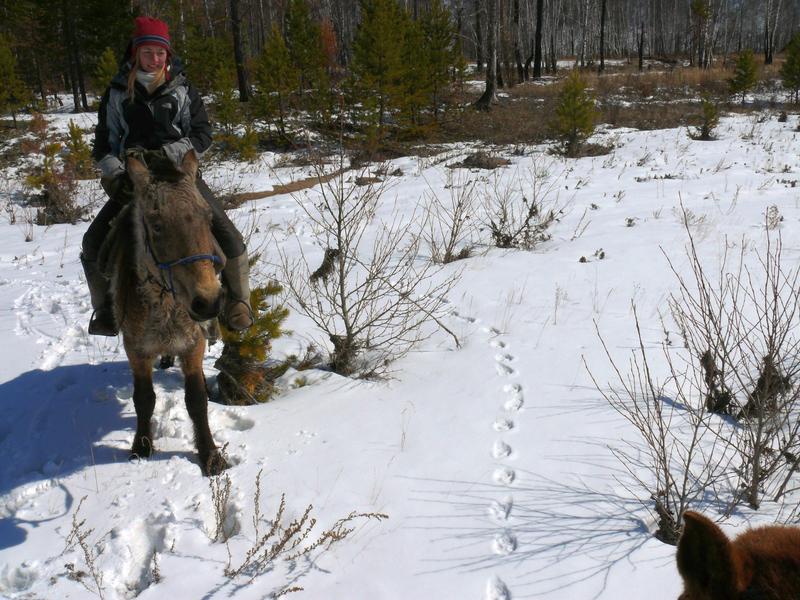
(175, 151)
(110, 166)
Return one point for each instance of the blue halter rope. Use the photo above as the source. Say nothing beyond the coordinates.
(167, 266)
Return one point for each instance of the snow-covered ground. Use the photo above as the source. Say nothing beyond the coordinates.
(491, 460)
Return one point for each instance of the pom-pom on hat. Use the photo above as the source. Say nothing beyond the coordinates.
(148, 31)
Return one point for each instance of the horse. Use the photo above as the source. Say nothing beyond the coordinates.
(163, 262)
(760, 564)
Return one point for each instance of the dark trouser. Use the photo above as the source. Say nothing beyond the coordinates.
(228, 237)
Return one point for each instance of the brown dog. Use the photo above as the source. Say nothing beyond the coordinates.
(760, 564)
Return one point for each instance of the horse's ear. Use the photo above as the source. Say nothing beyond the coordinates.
(705, 558)
(189, 164)
(138, 172)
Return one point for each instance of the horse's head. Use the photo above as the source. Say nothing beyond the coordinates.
(760, 563)
(176, 231)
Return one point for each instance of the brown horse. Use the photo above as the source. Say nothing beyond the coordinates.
(162, 260)
(760, 564)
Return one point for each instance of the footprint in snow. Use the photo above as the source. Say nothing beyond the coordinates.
(466, 318)
(497, 344)
(504, 370)
(503, 424)
(504, 543)
(497, 590)
(504, 475)
(501, 449)
(500, 511)
(516, 401)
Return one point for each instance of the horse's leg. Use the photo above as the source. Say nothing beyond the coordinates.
(144, 400)
(211, 461)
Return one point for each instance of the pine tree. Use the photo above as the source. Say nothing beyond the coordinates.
(305, 45)
(415, 75)
(276, 78)
(709, 119)
(377, 65)
(744, 74)
(105, 70)
(13, 93)
(790, 71)
(442, 53)
(245, 377)
(575, 115)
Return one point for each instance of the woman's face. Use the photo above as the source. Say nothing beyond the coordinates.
(152, 58)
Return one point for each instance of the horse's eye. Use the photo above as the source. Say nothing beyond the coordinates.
(157, 228)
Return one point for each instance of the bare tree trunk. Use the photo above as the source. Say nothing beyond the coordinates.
(238, 52)
(518, 43)
(490, 93)
(641, 47)
(602, 36)
(537, 40)
(479, 56)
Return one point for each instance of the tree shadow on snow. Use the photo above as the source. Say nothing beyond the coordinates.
(554, 533)
(59, 422)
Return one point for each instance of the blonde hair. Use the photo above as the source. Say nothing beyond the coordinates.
(160, 78)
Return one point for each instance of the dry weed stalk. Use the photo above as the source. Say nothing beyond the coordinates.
(744, 325)
(220, 499)
(78, 536)
(376, 296)
(288, 542)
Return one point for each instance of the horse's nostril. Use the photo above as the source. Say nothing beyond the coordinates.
(205, 308)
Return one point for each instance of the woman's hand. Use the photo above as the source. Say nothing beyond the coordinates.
(175, 151)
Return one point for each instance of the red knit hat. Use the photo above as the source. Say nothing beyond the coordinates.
(150, 32)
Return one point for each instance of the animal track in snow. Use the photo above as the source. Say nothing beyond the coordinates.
(497, 590)
(501, 449)
(503, 424)
(504, 543)
(500, 511)
(466, 318)
(504, 370)
(516, 401)
(504, 475)
(497, 344)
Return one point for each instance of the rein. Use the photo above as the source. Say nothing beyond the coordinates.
(169, 285)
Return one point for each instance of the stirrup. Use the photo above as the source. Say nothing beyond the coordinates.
(99, 323)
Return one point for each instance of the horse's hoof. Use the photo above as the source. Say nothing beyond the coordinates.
(214, 464)
(142, 448)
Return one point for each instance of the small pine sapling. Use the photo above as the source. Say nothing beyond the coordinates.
(575, 115)
(244, 375)
(79, 159)
(107, 67)
(709, 120)
(744, 74)
(790, 70)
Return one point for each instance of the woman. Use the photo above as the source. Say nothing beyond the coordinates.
(151, 106)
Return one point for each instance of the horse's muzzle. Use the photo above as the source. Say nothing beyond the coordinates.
(203, 309)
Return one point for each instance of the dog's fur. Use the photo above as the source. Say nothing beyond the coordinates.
(760, 564)
(153, 319)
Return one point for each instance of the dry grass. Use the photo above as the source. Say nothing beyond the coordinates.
(657, 98)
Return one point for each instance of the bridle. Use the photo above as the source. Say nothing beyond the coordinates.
(165, 267)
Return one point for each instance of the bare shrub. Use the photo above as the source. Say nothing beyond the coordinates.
(519, 213)
(375, 297)
(743, 324)
(451, 221)
(679, 458)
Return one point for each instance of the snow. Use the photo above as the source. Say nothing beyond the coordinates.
(491, 460)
